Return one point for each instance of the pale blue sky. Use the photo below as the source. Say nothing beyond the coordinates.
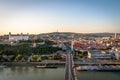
(41, 16)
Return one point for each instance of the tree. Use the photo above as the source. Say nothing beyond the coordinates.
(85, 54)
(56, 57)
(36, 58)
(4, 57)
(1, 57)
(39, 59)
(44, 58)
(12, 57)
(18, 57)
(79, 53)
(25, 58)
(51, 57)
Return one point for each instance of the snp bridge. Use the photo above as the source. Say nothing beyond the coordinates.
(70, 73)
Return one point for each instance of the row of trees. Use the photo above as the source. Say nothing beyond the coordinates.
(32, 58)
(82, 54)
(24, 51)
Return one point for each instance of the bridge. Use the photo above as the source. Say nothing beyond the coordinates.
(70, 70)
(70, 73)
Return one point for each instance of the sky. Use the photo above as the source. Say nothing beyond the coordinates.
(43, 16)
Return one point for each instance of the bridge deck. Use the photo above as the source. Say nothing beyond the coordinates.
(70, 71)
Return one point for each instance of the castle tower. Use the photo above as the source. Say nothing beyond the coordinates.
(9, 36)
(9, 33)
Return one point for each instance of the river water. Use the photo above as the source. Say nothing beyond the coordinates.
(31, 73)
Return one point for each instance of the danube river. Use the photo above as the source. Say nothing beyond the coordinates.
(31, 73)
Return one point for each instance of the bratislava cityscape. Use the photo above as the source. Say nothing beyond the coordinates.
(59, 40)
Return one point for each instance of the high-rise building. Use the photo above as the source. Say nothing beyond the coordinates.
(115, 35)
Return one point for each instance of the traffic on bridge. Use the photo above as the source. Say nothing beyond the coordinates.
(70, 73)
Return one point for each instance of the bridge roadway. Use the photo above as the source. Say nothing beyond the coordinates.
(70, 71)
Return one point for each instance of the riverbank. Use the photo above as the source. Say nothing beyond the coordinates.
(54, 62)
(48, 62)
(98, 68)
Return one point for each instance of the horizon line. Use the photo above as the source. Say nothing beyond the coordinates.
(61, 32)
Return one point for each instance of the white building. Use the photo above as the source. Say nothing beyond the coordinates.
(98, 55)
(117, 53)
(17, 37)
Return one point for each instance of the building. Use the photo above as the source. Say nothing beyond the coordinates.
(117, 55)
(17, 37)
(115, 36)
(98, 55)
(116, 51)
(5, 37)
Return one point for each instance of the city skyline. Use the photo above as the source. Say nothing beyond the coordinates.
(43, 16)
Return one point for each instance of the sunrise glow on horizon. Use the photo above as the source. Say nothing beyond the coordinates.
(42, 16)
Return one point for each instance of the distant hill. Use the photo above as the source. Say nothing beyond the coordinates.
(77, 35)
(100, 34)
(88, 34)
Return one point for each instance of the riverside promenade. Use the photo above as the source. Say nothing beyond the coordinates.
(48, 62)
